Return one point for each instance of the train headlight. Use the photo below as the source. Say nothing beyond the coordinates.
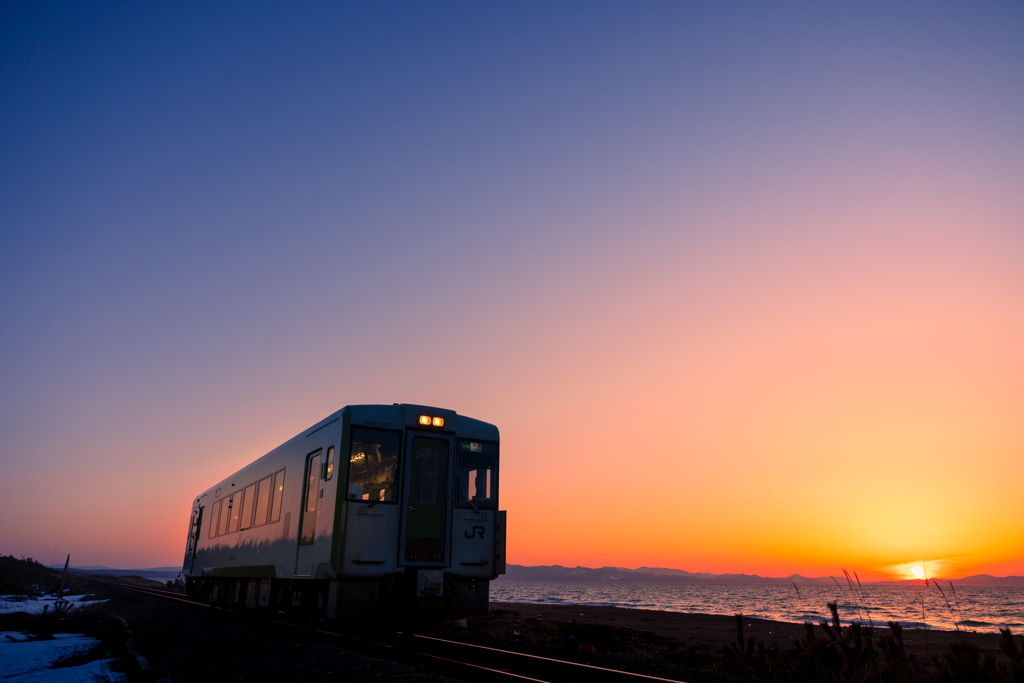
(439, 422)
(425, 420)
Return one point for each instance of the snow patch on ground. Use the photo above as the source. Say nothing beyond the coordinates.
(97, 669)
(17, 603)
(22, 659)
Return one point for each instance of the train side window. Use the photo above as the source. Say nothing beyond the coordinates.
(275, 505)
(477, 466)
(329, 472)
(373, 464)
(225, 516)
(214, 518)
(248, 504)
(263, 501)
(234, 507)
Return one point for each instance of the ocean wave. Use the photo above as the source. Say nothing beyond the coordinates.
(913, 607)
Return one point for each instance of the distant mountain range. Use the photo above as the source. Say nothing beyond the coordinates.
(515, 572)
(156, 573)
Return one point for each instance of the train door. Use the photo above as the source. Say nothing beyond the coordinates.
(305, 559)
(426, 502)
(192, 546)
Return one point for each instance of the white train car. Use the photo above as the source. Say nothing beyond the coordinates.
(374, 509)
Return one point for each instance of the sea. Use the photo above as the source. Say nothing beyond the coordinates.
(973, 608)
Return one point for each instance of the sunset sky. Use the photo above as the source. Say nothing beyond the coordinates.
(741, 284)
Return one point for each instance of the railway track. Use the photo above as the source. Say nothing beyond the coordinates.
(464, 661)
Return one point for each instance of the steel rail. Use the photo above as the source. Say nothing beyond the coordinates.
(466, 671)
(588, 671)
(501, 665)
(155, 592)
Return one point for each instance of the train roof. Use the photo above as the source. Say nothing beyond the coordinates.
(403, 414)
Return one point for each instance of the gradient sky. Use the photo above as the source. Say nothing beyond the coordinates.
(741, 284)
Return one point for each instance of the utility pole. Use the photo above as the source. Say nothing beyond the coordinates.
(64, 577)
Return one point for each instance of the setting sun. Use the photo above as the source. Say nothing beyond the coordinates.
(941, 568)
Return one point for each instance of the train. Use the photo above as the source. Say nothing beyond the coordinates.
(376, 509)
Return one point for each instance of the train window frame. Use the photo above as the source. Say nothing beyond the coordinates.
(396, 485)
(309, 512)
(235, 511)
(246, 496)
(214, 519)
(225, 517)
(277, 495)
(269, 479)
(495, 477)
(328, 465)
(311, 487)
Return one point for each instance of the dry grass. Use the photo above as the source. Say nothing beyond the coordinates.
(864, 654)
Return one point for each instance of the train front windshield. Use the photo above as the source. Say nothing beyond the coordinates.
(373, 462)
(477, 465)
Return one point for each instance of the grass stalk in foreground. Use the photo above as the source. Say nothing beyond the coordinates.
(858, 654)
(949, 607)
(956, 599)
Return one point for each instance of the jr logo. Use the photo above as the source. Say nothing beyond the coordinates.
(476, 530)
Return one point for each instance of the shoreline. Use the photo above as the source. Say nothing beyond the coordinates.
(717, 630)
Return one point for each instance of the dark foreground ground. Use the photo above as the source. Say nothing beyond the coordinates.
(183, 644)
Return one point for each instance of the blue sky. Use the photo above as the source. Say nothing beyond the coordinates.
(232, 219)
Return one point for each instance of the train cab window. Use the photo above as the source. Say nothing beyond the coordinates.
(215, 519)
(263, 501)
(235, 506)
(373, 464)
(477, 466)
(248, 503)
(275, 504)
